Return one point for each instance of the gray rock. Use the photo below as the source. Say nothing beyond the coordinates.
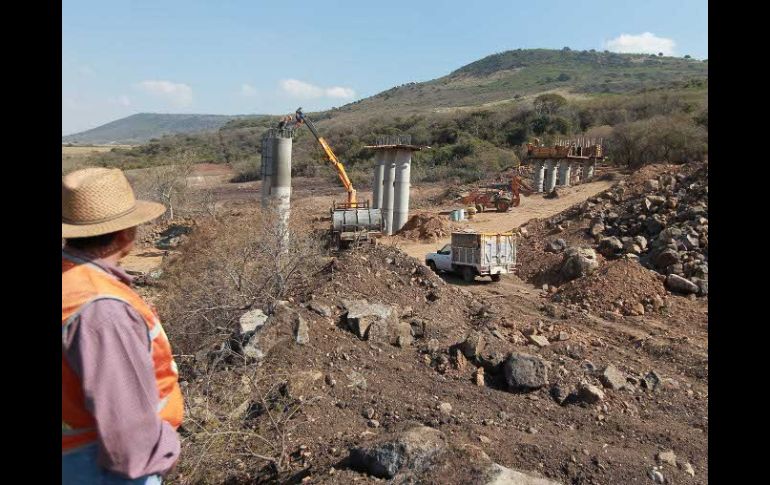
(320, 308)
(539, 340)
(251, 321)
(301, 330)
(251, 349)
(610, 246)
(651, 381)
(415, 449)
(589, 393)
(596, 226)
(681, 285)
(555, 246)
(500, 475)
(688, 469)
(361, 315)
(433, 346)
(667, 457)
(473, 345)
(377, 322)
(666, 258)
(641, 241)
(612, 378)
(578, 262)
(525, 372)
(651, 185)
(445, 408)
(656, 476)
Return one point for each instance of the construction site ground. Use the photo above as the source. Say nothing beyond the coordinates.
(618, 439)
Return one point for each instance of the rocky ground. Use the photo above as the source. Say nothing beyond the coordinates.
(588, 367)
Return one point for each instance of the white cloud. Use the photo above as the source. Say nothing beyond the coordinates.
(646, 43)
(340, 92)
(122, 100)
(248, 90)
(178, 94)
(302, 89)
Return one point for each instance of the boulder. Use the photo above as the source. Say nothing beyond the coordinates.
(555, 246)
(377, 322)
(413, 449)
(666, 258)
(612, 378)
(681, 285)
(500, 475)
(473, 345)
(610, 246)
(578, 262)
(524, 372)
(251, 321)
(320, 308)
(589, 393)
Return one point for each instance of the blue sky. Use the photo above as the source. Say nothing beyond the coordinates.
(237, 56)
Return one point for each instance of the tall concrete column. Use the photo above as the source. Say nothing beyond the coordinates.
(401, 188)
(538, 173)
(550, 176)
(564, 173)
(379, 173)
(267, 168)
(281, 190)
(575, 170)
(388, 181)
(589, 169)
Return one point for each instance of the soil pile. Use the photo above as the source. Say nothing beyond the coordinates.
(425, 227)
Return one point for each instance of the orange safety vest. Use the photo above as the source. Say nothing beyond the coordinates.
(83, 283)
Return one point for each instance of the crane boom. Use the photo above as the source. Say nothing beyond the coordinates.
(338, 166)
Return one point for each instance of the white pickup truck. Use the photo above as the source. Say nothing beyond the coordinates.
(474, 254)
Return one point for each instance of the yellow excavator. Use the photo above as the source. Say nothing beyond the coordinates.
(353, 222)
(351, 203)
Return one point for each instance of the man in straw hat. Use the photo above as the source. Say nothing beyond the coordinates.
(121, 402)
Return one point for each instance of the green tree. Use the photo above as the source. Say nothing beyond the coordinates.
(548, 104)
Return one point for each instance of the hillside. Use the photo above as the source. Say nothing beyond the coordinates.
(475, 119)
(142, 127)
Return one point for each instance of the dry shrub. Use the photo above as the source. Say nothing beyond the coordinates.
(237, 416)
(229, 266)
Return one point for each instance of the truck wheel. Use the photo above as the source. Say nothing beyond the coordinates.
(432, 266)
(495, 277)
(480, 208)
(468, 275)
(503, 205)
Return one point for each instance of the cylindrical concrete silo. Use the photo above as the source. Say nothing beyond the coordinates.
(401, 188)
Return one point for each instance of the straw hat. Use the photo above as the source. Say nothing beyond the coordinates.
(98, 201)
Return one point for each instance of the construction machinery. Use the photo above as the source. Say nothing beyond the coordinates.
(500, 196)
(353, 222)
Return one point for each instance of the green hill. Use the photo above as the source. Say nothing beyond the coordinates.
(477, 117)
(142, 127)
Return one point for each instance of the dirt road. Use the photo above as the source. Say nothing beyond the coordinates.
(531, 207)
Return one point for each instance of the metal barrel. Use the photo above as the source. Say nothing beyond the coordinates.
(350, 220)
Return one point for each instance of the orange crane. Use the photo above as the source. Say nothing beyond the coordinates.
(352, 203)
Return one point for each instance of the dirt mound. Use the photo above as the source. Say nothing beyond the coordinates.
(620, 285)
(425, 227)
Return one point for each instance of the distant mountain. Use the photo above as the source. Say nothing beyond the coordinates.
(494, 82)
(140, 128)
